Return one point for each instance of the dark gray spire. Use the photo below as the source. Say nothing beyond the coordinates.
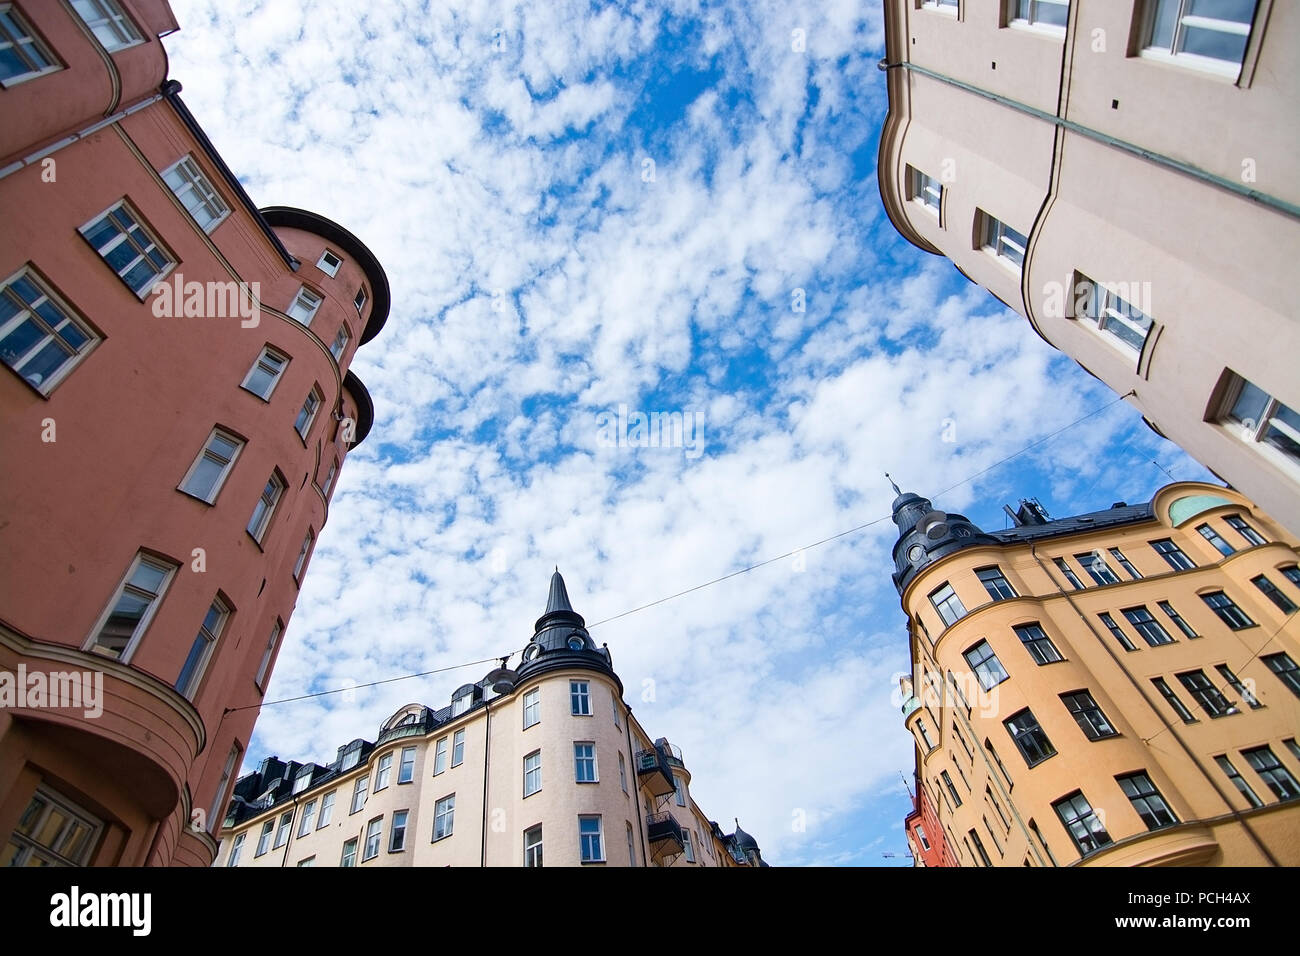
(893, 484)
(558, 609)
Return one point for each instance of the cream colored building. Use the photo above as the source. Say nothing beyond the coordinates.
(1126, 175)
(1120, 688)
(542, 763)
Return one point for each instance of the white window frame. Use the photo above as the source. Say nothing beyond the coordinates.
(360, 299)
(679, 791)
(304, 556)
(687, 848)
(349, 856)
(265, 358)
(533, 858)
(307, 413)
(263, 668)
(532, 707)
(30, 39)
(1250, 432)
(143, 240)
(577, 760)
(950, 8)
(359, 791)
(622, 771)
(195, 192)
(403, 763)
(613, 699)
(236, 848)
(383, 771)
(264, 838)
(108, 16)
(283, 829)
(227, 464)
(1101, 313)
(631, 845)
(306, 303)
(216, 814)
(325, 267)
(534, 771)
(444, 809)
(375, 835)
(308, 822)
(340, 344)
(440, 756)
(1032, 21)
(264, 509)
(997, 237)
(142, 626)
(329, 477)
(309, 861)
(580, 696)
(599, 835)
(326, 809)
(208, 637)
(1173, 54)
(458, 748)
(920, 186)
(395, 828)
(29, 846)
(26, 313)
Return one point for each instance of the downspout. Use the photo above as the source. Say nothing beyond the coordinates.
(636, 791)
(37, 156)
(487, 760)
(1105, 646)
(293, 824)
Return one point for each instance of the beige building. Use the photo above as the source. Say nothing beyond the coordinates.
(1126, 175)
(544, 762)
(1118, 688)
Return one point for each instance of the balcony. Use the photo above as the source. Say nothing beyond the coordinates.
(674, 754)
(664, 834)
(415, 729)
(654, 772)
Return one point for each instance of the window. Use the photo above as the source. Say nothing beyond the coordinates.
(440, 756)
(1050, 14)
(941, 4)
(1168, 693)
(948, 605)
(458, 748)
(1117, 631)
(307, 414)
(1235, 683)
(1122, 322)
(979, 845)
(1147, 801)
(359, 793)
(1029, 737)
(1292, 746)
(1271, 592)
(282, 831)
(120, 628)
(349, 853)
(679, 790)
(397, 831)
(631, 847)
(265, 373)
(444, 815)
(1285, 669)
(264, 841)
(196, 661)
(925, 735)
(622, 772)
(613, 700)
(1147, 626)
(1081, 821)
(532, 773)
(304, 305)
(22, 56)
(580, 698)
(1258, 417)
(1292, 573)
(533, 846)
(111, 26)
(308, 818)
(129, 249)
(686, 846)
(303, 780)
(952, 790)
(1065, 569)
(360, 300)
(589, 835)
(1039, 645)
(52, 831)
(1238, 524)
(265, 506)
(986, 665)
(923, 189)
(339, 344)
(998, 587)
(300, 565)
(584, 762)
(1238, 781)
(1212, 36)
(1088, 715)
(997, 808)
(40, 339)
(1206, 694)
(215, 815)
(1125, 563)
(1229, 613)
(212, 467)
(329, 263)
(383, 771)
(309, 861)
(532, 708)
(329, 477)
(265, 666)
(920, 836)
(406, 770)
(1271, 771)
(236, 849)
(1212, 536)
(326, 810)
(1173, 554)
(1097, 567)
(1177, 619)
(1003, 241)
(196, 193)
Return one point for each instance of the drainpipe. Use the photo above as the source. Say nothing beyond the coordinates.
(37, 156)
(487, 760)
(636, 791)
(293, 823)
(1105, 646)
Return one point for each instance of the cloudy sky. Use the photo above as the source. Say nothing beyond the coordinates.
(582, 207)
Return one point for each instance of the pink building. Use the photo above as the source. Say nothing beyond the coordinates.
(175, 407)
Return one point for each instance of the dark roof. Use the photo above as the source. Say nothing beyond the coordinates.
(365, 406)
(1078, 524)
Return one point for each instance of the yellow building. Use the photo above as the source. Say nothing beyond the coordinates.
(1123, 174)
(1117, 688)
(542, 762)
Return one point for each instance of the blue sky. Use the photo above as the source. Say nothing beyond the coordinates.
(582, 207)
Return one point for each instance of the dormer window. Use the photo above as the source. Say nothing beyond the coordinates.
(462, 703)
(302, 782)
(576, 643)
(329, 263)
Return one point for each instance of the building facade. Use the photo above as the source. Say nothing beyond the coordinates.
(1123, 174)
(1118, 688)
(175, 408)
(543, 764)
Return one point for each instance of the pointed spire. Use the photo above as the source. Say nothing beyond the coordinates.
(897, 490)
(558, 608)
